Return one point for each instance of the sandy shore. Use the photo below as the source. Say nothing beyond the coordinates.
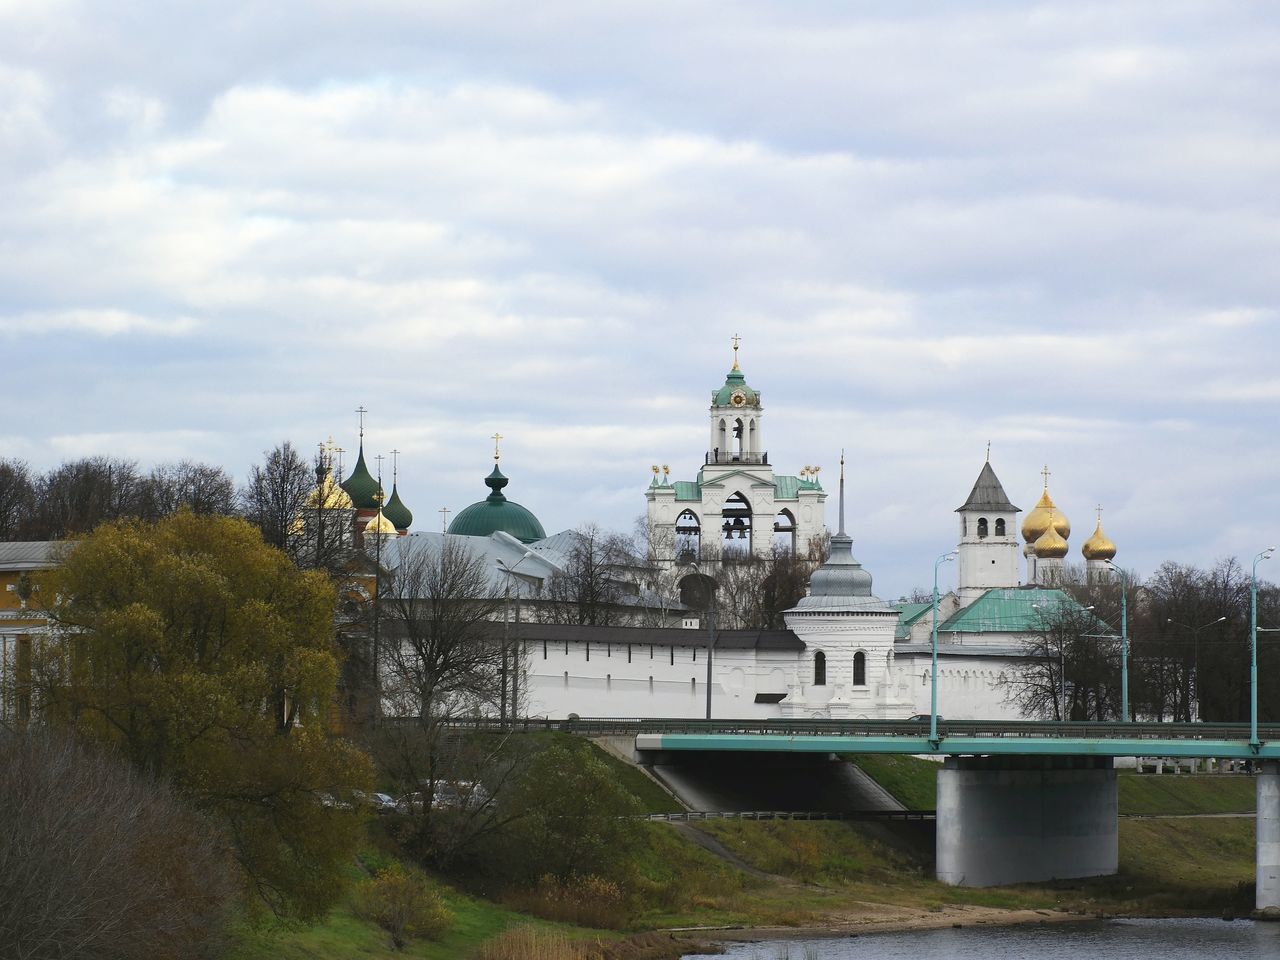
(865, 918)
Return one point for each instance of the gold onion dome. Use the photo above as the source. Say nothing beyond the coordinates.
(380, 526)
(328, 495)
(1050, 545)
(1041, 516)
(1098, 546)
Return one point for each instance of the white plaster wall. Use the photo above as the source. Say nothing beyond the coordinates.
(987, 562)
(969, 688)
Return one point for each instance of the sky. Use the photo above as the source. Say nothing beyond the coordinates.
(1054, 227)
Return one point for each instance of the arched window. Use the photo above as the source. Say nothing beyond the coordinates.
(1000, 527)
(819, 669)
(982, 528)
(859, 669)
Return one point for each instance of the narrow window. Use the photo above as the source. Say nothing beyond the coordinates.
(819, 669)
(693, 684)
(673, 656)
(651, 651)
(566, 678)
(1000, 527)
(982, 528)
(566, 648)
(859, 669)
(608, 681)
(651, 684)
(544, 649)
(608, 649)
(695, 654)
(588, 649)
(628, 653)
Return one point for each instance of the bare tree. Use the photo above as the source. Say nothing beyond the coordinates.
(277, 492)
(80, 494)
(17, 499)
(441, 659)
(594, 586)
(1071, 669)
(199, 487)
(98, 862)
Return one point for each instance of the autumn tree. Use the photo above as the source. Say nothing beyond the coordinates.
(206, 658)
(17, 499)
(101, 862)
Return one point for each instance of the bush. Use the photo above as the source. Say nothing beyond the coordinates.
(98, 862)
(589, 901)
(403, 903)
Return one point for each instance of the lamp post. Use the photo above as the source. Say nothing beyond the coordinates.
(933, 690)
(1254, 742)
(711, 646)
(509, 570)
(1195, 636)
(1124, 642)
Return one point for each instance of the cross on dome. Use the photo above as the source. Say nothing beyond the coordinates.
(496, 438)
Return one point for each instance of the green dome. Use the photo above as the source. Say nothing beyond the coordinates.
(495, 512)
(360, 486)
(735, 382)
(396, 511)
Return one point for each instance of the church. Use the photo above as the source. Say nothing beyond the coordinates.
(843, 652)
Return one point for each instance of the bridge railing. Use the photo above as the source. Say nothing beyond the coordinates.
(1102, 730)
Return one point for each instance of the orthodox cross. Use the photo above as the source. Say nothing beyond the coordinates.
(395, 465)
(444, 519)
(736, 338)
(362, 411)
(1045, 473)
(1098, 508)
(988, 451)
(496, 438)
(379, 458)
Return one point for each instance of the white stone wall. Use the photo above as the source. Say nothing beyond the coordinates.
(969, 688)
(841, 637)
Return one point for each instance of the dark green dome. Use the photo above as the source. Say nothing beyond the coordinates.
(495, 512)
(395, 511)
(735, 382)
(361, 487)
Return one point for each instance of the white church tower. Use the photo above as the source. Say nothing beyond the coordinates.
(988, 550)
(737, 504)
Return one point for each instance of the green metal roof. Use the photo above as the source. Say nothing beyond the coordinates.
(735, 381)
(786, 488)
(361, 487)
(395, 511)
(495, 512)
(687, 490)
(908, 614)
(1006, 610)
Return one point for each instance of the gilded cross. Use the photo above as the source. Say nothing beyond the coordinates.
(1045, 473)
(1098, 508)
(496, 438)
(736, 338)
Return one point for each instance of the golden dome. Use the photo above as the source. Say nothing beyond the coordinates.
(1050, 545)
(1038, 520)
(380, 525)
(327, 495)
(1098, 546)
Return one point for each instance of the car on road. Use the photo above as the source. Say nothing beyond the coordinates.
(923, 718)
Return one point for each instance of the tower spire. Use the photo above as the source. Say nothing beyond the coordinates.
(842, 533)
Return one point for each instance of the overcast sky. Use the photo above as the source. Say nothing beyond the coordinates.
(1054, 226)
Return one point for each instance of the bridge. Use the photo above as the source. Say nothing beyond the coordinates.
(1017, 801)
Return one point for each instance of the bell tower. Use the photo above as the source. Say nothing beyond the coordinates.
(736, 417)
(988, 550)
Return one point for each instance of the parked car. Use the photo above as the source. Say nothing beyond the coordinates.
(923, 718)
(378, 802)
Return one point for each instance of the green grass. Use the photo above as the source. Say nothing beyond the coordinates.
(1153, 794)
(912, 781)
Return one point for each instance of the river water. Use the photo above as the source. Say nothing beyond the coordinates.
(1104, 940)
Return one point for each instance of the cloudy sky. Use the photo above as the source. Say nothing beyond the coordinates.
(1053, 226)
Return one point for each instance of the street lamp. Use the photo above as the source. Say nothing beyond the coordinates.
(933, 691)
(1124, 642)
(1254, 742)
(509, 570)
(1195, 636)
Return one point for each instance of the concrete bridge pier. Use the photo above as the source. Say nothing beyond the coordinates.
(1267, 897)
(1018, 819)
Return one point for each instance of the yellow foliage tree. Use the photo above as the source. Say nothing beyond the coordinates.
(207, 658)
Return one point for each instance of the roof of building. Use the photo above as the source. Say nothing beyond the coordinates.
(988, 494)
(496, 513)
(783, 640)
(30, 554)
(785, 487)
(735, 382)
(361, 486)
(687, 490)
(1007, 610)
(396, 511)
(908, 614)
